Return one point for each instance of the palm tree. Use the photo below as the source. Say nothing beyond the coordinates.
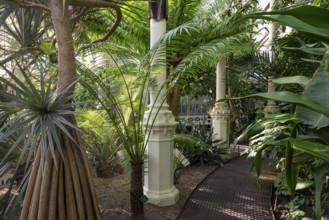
(125, 113)
(215, 30)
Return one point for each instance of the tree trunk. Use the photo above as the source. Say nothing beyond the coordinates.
(64, 188)
(174, 100)
(136, 190)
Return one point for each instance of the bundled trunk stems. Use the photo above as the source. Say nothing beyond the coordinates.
(64, 191)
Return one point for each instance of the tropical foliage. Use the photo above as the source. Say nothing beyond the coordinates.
(298, 137)
(49, 47)
(125, 114)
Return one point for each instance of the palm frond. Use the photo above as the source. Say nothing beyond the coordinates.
(129, 131)
(201, 42)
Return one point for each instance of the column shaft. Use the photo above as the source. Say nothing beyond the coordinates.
(220, 112)
(159, 126)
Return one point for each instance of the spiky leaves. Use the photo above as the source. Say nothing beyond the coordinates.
(42, 122)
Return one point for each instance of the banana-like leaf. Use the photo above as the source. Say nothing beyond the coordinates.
(316, 149)
(321, 134)
(290, 170)
(315, 98)
(261, 123)
(279, 142)
(317, 90)
(309, 19)
(301, 80)
(315, 51)
(319, 174)
(301, 158)
(258, 161)
(292, 98)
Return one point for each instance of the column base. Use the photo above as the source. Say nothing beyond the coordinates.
(271, 110)
(220, 123)
(164, 198)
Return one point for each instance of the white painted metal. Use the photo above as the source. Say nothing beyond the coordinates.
(220, 112)
(159, 175)
(271, 106)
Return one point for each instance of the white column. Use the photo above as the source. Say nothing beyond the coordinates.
(159, 125)
(220, 112)
(271, 106)
(271, 30)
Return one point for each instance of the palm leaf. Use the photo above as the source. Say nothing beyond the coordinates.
(129, 131)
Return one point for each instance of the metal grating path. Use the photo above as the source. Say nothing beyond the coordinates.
(232, 192)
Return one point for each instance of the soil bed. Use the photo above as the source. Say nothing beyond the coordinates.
(113, 194)
(280, 207)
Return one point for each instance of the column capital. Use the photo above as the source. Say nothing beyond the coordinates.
(159, 121)
(271, 109)
(158, 9)
(220, 110)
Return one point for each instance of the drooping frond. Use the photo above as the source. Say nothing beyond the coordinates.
(215, 31)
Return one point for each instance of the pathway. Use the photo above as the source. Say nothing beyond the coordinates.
(232, 192)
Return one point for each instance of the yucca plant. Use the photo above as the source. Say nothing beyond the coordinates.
(64, 161)
(44, 114)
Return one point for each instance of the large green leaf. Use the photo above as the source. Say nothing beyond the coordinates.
(312, 20)
(316, 149)
(290, 169)
(309, 19)
(311, 50)
(301, 158)
(317, 90)
(319, 174)
(301, 80)
(292, 98)
(259, 125)
(258, 161)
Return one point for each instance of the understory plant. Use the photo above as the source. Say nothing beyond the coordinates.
(101, 147)
(198, 144)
